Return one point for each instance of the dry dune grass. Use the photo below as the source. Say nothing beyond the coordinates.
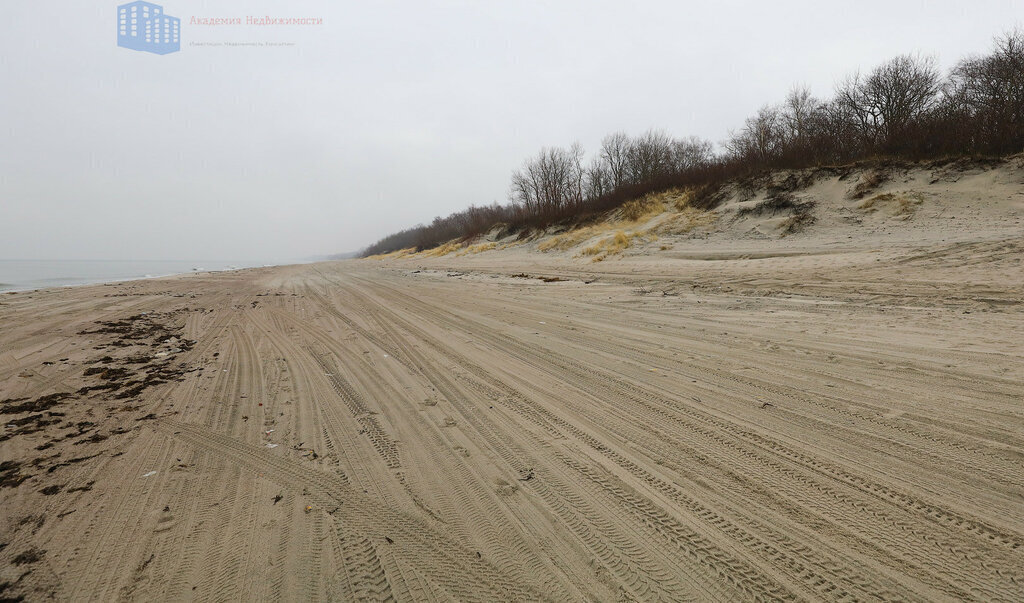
(441, 250)
(685, 221)
(613, 244)
(902, 203)
(869, 181)
(567, 240)
(683, 198)
(632, 222)
(509, 245)
(797, 222)
(478, 248)
(617, 243)
(656, 203)
(461, 248)
(644, 207)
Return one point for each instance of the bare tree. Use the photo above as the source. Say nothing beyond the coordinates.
(891, 98)
(550, 183)
(691, 153)
(598, 180)
(832, 134)
(649, 156)
(761, 138)
(575, 193)
(614, 157)
(989, 92)
(797, 113)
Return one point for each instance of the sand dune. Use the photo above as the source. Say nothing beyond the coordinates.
(816, 419)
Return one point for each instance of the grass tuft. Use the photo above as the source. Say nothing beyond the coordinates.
(567, 240)
(479, 248)
(686, 220)
(440, 250)
(645, 207)
(616, 243)
(868, 182)
(902, 203)
(797, 222)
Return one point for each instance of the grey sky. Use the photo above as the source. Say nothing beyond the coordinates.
(387, 114)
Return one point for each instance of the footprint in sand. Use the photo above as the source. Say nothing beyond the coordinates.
(165, 521)
(504, 488)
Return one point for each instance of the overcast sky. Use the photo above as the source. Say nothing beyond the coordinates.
(387, 113)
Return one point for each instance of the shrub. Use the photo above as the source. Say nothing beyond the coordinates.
(797, 222)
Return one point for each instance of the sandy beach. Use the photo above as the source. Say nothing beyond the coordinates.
(512, 301)
(813, 425)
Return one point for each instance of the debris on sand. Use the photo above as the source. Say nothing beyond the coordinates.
(19, 405)
(10, 474)
(32, 555)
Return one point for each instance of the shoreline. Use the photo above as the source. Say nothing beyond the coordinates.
(6, 288)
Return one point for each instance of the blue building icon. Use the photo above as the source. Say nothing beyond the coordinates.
(144, 26)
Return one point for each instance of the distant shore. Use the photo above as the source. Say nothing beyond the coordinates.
(31, 275)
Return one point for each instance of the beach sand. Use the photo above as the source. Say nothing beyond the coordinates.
(816, 418)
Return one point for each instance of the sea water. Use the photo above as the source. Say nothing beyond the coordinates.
(19, 275)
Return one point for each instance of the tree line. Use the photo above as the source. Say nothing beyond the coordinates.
(905, 108)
